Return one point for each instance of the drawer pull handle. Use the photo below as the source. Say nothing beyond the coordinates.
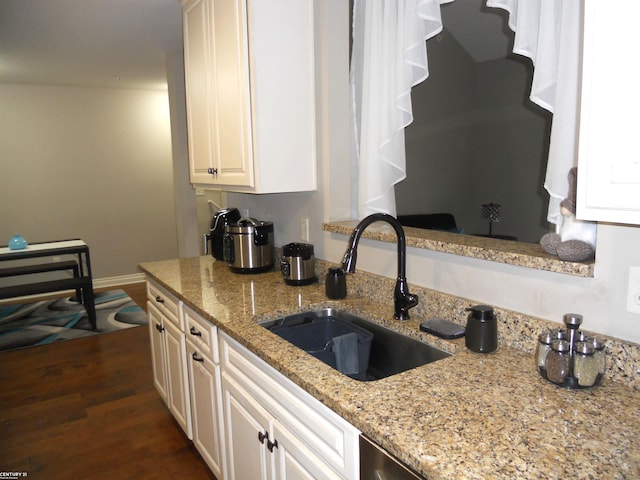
(194, 332)
(159, 327)
(159, 299)
(271, 445)
(263, 436)
(195, 356)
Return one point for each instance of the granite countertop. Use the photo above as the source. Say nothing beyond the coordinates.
(467, 416)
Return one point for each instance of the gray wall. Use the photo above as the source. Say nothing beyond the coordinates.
(546, 295)
(89, 163)
(476, 139)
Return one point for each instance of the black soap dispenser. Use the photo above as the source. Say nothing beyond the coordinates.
(336, 284)
(482, 329)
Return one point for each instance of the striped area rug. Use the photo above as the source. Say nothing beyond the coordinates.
(48, 321)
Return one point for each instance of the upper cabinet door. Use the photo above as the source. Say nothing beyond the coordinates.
(230, 101)
(283, 94)
(195, 21)
(609, 154)
(251, 100)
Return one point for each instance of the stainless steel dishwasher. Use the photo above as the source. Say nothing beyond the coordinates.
(377, 464)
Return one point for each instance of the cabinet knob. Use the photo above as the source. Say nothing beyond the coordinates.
(212, 171)
(195, 332)
(159, 327)
(159, 299)
(262, 436)
(271, 445)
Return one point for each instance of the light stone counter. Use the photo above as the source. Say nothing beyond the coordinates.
(522, 254)
(468, 416)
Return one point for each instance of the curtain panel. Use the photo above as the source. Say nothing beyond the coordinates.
(549, 32)
(389, 57)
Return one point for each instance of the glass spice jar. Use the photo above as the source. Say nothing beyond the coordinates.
(542, 350)
(558, 361)
(585, 364)
(599, 354)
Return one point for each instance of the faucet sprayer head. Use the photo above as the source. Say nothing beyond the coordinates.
(349, 260)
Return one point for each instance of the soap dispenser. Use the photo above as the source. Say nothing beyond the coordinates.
(482, 329)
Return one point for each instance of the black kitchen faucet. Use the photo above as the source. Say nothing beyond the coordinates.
(402, 299)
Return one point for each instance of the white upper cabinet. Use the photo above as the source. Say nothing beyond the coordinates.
(609, 157)
(249, 73)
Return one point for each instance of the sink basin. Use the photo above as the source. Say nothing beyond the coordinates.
(389, 352)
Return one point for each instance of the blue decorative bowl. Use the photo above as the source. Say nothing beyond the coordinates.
(17, 242)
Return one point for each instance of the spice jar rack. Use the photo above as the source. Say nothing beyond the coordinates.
(568, 357)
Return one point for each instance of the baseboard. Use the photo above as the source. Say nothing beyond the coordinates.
(106, 282)
(120, 280)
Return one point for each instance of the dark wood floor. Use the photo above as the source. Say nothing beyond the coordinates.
(87, 409)
(137, 292)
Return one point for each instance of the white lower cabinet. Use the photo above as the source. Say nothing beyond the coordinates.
(247, 427)
(246, 419)
(206, 399)
(294, 460)
(274, 429)
(168, 347)
(178, 397)
(156, 334)
(260, 447)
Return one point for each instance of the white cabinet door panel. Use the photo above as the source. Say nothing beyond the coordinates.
(178, 384)
(231, 93)
(295, 461)
(245, 420)
(197, 79)
(250, 69)
(312, 434)
(206, 408)
(609, 156)
(156, 336)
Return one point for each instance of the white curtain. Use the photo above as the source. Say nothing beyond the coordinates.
(388, 58)
(549, 32)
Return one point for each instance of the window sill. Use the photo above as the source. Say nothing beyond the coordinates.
(529, 255)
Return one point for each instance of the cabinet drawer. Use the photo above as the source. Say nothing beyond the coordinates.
(202, 334)
(324, 432)
(165, 303)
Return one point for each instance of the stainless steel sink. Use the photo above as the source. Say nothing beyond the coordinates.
(390, 352)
